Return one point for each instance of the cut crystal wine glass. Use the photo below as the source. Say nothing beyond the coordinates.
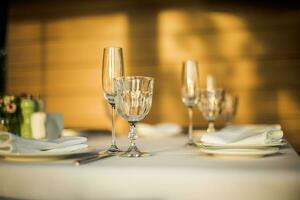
(210, 105)
(133, 102)
(229, 108)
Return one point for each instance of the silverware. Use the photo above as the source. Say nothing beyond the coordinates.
(92, 158)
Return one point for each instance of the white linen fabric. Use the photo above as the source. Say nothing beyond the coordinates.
(12, 143)
(158, 130)
(245, 135)
(173, 172)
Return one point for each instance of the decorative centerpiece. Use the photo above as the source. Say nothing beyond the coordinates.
(10, 114)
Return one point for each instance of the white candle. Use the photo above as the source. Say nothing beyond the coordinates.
(210, 83)
(38, 125)
(191, 76)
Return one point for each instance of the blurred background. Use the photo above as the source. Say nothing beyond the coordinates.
(54, 49)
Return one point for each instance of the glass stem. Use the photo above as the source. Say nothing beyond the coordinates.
(190, 110)
(113, 131)
(132, 135)
(211, 127)
(228, 123)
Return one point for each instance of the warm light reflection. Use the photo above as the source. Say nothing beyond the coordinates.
(288, 108)
(60, 57)
(70, 55)
(222, 44)
(239, 49)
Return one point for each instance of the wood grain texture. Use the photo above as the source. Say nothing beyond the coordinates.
(55, 50)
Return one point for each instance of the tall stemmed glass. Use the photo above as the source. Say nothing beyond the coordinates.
(112, 67)
(210, 105)
(189, 91)
(133, 101)
(229, 108)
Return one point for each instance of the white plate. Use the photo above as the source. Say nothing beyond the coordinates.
(225, 146)
(241, 152)
(40, 156)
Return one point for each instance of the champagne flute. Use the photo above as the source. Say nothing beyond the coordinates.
(189, 91)
(133, 102)
(112, 67)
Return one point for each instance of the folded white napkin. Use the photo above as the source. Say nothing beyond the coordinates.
(12, 143)
(245, 135)
(158, 130)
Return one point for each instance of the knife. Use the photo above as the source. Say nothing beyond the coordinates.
(93, 158)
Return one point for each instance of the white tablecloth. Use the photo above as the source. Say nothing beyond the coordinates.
(173, 172)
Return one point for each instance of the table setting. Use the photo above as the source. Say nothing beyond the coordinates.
(155, 158)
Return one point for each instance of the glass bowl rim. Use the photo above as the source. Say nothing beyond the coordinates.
(133, 77)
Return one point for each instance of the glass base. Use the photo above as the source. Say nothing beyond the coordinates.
(113, 149)
(190, 144)
(134, 152)
(211, 127)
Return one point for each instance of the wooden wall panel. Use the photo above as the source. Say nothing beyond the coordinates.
(55, 50)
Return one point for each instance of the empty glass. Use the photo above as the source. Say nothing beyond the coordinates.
(229, 107)
(112, 67)
(190, 91)
(210, 105)
(133, 102)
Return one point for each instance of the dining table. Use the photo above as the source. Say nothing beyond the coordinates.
(173, 171)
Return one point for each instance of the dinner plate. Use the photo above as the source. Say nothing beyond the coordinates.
(242, 146)
(241, 152)
(42, 156)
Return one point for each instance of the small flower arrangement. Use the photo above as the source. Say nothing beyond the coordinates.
(10, 114)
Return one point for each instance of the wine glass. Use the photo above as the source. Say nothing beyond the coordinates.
(133, 101)
(189, 91)
(210, 105)
(229, 107)
(112, 67)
